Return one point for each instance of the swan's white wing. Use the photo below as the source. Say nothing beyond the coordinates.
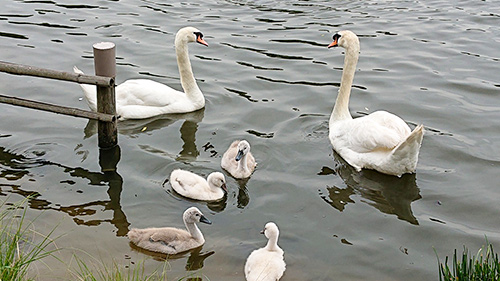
(169, 236)
(140, 98)
(251, 161)
(166, 240)
(145, 92)
(264, 265)
(188, 184)
(378, 131)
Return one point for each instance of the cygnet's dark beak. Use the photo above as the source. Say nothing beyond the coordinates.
(203, 219)
(224, 187)
(239, 155)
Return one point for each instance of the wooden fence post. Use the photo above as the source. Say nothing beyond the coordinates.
(105, 65)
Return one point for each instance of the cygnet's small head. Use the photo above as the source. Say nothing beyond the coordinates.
(217, 180)
(193, 214)
(345, 39)
(191, 34)
(243, 149)
(270, 230)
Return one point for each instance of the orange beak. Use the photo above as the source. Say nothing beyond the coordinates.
(201, 41)
(334, 43)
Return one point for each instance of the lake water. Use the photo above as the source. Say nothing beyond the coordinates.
(267, 77)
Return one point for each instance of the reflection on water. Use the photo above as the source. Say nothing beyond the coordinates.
(243, 195)
(133, 127)
(189, 151)
(267, 67)
(188, 130)
(194, 262)
(15, 166)
(389, 194)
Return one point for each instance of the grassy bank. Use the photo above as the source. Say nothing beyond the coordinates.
(484, 266)
(17, 250)
(22, 246)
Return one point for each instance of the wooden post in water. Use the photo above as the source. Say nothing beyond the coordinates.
(105, 65)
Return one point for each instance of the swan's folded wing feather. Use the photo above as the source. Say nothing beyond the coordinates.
(147, 92)
(167, 237)
(193, 183)
(377, 131)
(365, 138)
(188, 179)
(177, 184)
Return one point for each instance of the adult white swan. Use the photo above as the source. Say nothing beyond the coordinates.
(238, 160)
(379, 141)
(170, 240)
(143, 98)
(193, 186)
(267, 263)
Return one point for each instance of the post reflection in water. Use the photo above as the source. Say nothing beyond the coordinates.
(108, 159)
(188, 130)
(389, 194)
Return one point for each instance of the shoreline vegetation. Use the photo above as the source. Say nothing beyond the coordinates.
(21, 246)
(18, 251)
(484, 266)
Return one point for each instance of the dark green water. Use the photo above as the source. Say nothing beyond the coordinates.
(267, 77)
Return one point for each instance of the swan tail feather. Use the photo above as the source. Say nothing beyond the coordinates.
(89, 91)
(406, 153)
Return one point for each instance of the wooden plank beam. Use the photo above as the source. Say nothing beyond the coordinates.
(58, 109)
(20, 69)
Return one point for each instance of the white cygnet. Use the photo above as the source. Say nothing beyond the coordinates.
(193, 186)
(266, 264)
(238, 160)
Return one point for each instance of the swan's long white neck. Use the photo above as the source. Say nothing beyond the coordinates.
(188, 81)
(194, 231)
(341, 108)
(272, 243)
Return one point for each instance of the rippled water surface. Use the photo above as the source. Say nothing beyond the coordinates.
(267, 77)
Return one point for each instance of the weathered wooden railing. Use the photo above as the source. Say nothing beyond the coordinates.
(105, 70)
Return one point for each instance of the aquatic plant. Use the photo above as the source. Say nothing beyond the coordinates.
(18, 248)
(21, 246)
(485, 266)
(134, 271)
(115, 272)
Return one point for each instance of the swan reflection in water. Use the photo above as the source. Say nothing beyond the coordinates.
(194, 262)
(389, 194)
(188, 131)
(243, 196)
